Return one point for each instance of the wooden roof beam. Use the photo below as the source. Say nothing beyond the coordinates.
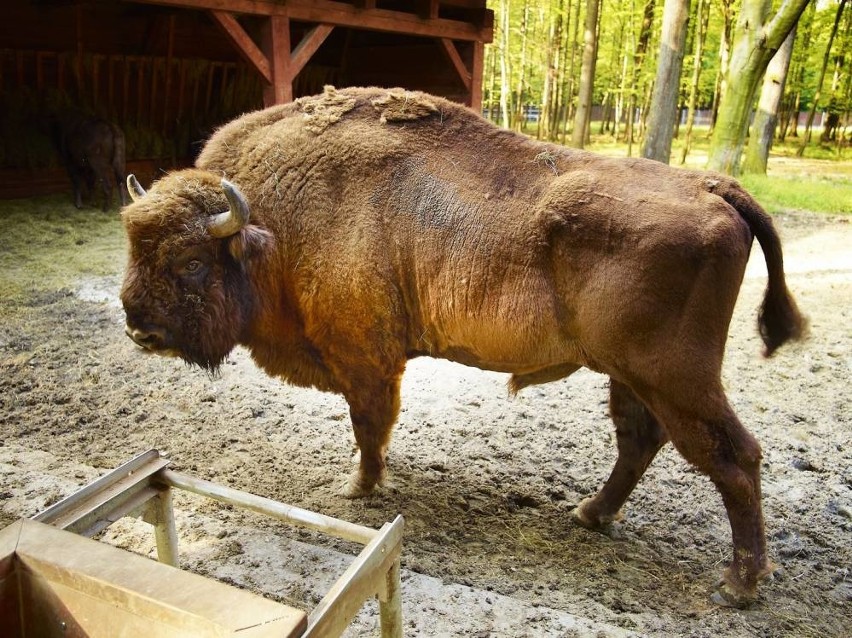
(455, 59)
(307, 47)
(347, 15)
(246, 46)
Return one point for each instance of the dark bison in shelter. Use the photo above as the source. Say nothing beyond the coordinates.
(338, 236)
(92, 150)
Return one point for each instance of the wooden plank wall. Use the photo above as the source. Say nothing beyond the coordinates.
(156, 95)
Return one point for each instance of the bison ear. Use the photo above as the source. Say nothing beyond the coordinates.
(250, 242)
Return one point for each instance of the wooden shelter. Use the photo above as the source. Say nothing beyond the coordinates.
(170, 71)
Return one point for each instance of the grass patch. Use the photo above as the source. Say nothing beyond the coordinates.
(46, 243)
(823, 194)
(819, 182)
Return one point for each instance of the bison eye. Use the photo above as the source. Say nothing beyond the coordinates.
(192, 269)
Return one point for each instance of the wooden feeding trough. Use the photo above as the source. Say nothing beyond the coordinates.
(56, 582)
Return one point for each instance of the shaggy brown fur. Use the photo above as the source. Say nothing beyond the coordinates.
(387, 225)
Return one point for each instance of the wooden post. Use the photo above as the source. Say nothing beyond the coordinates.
(476, 77)
(276, 47)
(390, 604)
(161, 515)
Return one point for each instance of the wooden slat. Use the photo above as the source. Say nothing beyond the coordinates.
(281, 511)
(364, 578)
(427, 8)
(169, 55)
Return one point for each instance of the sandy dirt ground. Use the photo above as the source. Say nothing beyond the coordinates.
(486, 482)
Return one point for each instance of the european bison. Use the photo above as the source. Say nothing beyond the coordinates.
(93, 152)
(341, 235)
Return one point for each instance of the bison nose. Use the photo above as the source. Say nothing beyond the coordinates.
(149, 339)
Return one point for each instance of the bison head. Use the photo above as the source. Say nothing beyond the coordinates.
(187, 292)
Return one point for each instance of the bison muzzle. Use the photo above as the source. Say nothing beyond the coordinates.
(338, 236)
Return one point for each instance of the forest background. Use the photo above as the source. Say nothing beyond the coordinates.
(710, 83)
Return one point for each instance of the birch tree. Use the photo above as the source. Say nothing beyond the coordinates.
(703, 15)
(587, 75)
(807, 136)
(664, 101)
(638, 59)
(505, 62)
(756, 39)
(766, 117)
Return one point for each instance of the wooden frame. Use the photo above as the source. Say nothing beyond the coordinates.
(143, 485)
(279, 66)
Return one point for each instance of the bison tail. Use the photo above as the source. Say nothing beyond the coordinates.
(779, 319)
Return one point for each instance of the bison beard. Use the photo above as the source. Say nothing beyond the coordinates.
(360, 228)
(210, 325)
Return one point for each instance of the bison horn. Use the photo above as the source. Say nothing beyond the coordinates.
(134, 188)
(231, 221)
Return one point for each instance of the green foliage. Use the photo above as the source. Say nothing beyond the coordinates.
(530, 39)
(821, 183)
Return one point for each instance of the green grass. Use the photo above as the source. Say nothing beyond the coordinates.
(821, 181)
(45, 243)
(824, 194)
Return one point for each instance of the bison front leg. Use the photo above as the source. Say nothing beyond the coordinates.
(639, 439)
(374, 409)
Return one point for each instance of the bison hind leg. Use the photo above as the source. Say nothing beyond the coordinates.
(711, 438)
(639, 438)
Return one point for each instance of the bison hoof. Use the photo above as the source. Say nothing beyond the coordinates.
(730, 592)
(728, 595)
(357, 486)
(584, 515)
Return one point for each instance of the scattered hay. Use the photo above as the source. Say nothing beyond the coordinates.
(321, 111)
(403, 106)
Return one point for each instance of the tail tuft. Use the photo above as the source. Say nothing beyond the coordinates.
(779, 319)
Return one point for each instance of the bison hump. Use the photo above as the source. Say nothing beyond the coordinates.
(321, 111)
(403, 106)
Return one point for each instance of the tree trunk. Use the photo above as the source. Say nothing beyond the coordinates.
(554, 45)
(703, 15)
(638, 60)
(807, 136)
(518, 118)
(505, 63)
(800, 64)
(755, 41)
(724, 60)
(587, 75)
(766, 118)
(664, 102)
(569, 99)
